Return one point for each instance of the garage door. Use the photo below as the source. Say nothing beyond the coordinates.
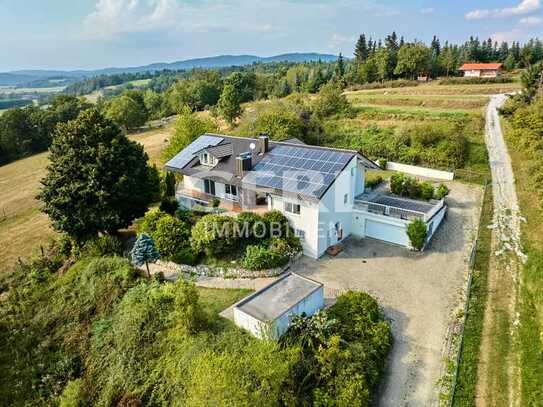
(386, 232)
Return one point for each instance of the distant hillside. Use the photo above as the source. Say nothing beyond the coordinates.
(21, 77)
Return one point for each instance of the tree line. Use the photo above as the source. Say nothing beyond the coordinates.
(393, 57)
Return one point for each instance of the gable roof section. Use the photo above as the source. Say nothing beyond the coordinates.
(187, 155)
(220, 151)
(482, 67)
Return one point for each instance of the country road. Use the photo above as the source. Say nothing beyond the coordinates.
(498, 363)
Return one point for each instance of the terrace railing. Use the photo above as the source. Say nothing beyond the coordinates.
(396, 212)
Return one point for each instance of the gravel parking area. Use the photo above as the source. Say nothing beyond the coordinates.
(419, 293)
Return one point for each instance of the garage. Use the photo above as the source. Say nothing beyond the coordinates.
(386, 232)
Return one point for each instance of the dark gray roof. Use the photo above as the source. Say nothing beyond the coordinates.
(281, 158)
(274, 300)
(220, 151)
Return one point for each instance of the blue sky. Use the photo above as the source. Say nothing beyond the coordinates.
(72, 34)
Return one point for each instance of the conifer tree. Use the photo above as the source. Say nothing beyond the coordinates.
(144, 251)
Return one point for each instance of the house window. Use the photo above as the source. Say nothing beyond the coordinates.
(345, 198)
(207, 159)
(300, 233)
(292, 208)
(353, 170)
(339, 231)
(209, 187)
(231, 189)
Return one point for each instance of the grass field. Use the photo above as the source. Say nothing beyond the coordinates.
(22, 226)
(9, 89)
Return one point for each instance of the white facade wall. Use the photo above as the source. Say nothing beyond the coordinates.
(333, 209)
(261, 329)
(434, 223)
(307, 220)
(309, 305)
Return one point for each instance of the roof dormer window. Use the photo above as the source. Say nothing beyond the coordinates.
(207, 159)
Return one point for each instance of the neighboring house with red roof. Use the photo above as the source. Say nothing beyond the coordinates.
(481, 70)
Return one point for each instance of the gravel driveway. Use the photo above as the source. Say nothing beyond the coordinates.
(419, 293)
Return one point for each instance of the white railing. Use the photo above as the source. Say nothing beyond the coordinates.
(387, 210)
(395, 212)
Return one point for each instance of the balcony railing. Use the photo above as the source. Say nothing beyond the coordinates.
(397, 212)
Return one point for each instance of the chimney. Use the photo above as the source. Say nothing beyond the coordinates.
(263, 143)
(243, 163)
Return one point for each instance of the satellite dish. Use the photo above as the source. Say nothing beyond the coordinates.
(252, 146)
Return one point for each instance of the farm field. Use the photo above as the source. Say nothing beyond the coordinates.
(22, 226)
(18, 91)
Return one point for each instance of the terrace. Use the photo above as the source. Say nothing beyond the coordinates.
(381, 202)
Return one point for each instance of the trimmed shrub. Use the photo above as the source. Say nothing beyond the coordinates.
(252, 224)
(186, 255)
(170, 235)
(442, 191)
(169, 205)
(276, 224)
(149, 221)
(260, 258)
(417, 232)
(214, 235)
(372, 181)
(426, 191)
(106, 245)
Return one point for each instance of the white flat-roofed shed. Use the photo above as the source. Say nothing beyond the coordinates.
(267, 313)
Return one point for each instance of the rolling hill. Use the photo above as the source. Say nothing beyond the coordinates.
(22, 77)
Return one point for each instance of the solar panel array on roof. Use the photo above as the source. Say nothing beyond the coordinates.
(187, 154)
(306, 171)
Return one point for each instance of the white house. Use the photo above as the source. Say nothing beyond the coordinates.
(268, 312)
(320, 190)
(491, 70)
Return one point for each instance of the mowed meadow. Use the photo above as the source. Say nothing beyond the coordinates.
(23, 227)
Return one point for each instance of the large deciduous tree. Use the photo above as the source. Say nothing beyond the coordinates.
(126, 112)
(97, 180)
(413, 59)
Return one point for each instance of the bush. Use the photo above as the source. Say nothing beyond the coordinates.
(169, 205)
(474, 81)
(215, 235)
(441, 192)
(102, 246)
(260, 258)
(417, 232)
(252, 224)
(72, 395)
(397, 184)
(149, 221)
(186, 255)
(371, 180)
(426, 191)
(276, 224)
(170, 235)
(331, 101)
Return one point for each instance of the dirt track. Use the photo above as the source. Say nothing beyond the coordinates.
(498, 365)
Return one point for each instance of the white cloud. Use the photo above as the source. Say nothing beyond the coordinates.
(113, 17)
(428, 10)
(337, 40)
(525, 7)
(531, 21)
(508, 36)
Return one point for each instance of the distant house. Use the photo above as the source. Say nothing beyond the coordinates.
(481, 70)
(268, 312)
(320, 190)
